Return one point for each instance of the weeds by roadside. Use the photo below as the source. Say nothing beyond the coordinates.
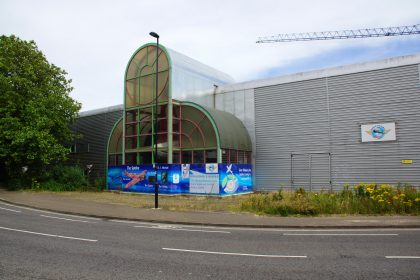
(363, 199)
(368, 199)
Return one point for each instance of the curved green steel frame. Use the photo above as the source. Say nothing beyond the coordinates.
(216, 130)
(148, 109)
(169, 101)
(107, 145)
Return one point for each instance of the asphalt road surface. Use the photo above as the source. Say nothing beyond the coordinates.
(44, 245)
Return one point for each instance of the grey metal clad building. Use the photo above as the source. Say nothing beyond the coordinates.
(94, 128)
(318, 130)
(306, 128)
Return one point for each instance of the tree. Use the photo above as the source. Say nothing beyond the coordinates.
(35, 108)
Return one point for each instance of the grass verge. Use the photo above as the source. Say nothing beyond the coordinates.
(366, 199)
(363, 199)
(167, 202)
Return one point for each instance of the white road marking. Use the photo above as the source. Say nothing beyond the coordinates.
(341, 234)
(49, 212)
(130, 222)
(181, 229)
(165, 225)
(50, 235)
(11, 210)
(402, 257)
(66, 219)
(323, 230)
(270, 229)
(232, 254)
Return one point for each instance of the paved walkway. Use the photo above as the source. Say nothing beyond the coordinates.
(62, 204)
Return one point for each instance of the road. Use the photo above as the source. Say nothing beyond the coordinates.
(37, 244)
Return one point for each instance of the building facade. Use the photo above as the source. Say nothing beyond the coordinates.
(317, 130)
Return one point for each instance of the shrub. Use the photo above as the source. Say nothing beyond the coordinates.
(68, 178)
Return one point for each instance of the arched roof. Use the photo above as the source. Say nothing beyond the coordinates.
(231, 131)
(187, 75)
(191, 76)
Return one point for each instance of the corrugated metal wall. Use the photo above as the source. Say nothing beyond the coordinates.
(239, 103)
(298, 124)
(91, 147)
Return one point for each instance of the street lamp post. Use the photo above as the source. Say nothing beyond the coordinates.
(155, 163)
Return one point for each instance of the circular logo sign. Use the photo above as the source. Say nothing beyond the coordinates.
(230, 183)
(377, 131)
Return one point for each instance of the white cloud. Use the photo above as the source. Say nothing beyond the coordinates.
(93, 40)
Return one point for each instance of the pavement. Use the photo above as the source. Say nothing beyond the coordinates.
(67, 205)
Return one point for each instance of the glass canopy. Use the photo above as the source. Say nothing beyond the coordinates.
(187, 132)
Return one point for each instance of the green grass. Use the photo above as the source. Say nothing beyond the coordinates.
(167, 202)
(362, 199)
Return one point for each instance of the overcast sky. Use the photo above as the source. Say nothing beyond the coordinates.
(93, 40)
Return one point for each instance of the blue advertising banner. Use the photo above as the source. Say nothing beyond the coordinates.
(211, 179)
(235, 178)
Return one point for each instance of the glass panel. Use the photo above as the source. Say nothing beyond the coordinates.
(209, 134)
(151, 56)
(211, 156)
(233, 156)
(130, 158)
(163, 61)
(198, 156)
(225, 154)
(132, 91)
(145, 157)
(119, 159)
(131, 142)
(162, 156)
(175, 125)
(138, 61)
(147, 70)
(131, 129)
(197, 138)
(162, 140)
(192, 114)
(131, 116)
(146, 114)
(163, 86)
(187, 127)
(176, 111)
(145, 128)
(162, 125)
(115, 143)
(241, 157)
(176, 157)
(146, 90)
(163, 111)
(186, 156)
(145, 141)
(175, 140)
(186, 142)
(249, 157)
(112, 160)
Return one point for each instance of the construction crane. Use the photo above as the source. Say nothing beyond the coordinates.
(343, 34)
